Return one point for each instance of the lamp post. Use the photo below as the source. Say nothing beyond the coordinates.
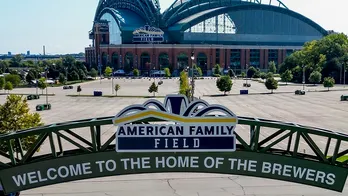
(47, 84)
(192, 78)
(66, 73)
(112, 81)
(303, 77)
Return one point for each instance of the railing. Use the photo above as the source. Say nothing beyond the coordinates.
(255, 135)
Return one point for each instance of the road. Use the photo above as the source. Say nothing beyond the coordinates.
(319, 109)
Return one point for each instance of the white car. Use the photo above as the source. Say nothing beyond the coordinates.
(120, 72)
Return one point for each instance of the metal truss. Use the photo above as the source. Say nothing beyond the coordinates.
(145, 8)
(174, 14)
(253, 135)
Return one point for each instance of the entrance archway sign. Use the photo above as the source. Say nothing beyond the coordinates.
(175, 136)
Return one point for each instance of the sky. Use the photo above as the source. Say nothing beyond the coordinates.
(63, 25)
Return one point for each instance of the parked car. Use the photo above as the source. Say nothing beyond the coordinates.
(119, 72)
(68, 87)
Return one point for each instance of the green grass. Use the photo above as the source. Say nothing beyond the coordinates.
(25, 94)
(341, 159)
(71, 83)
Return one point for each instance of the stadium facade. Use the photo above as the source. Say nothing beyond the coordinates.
(129, 34)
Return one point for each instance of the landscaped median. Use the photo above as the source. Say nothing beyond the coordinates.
(26, 94)
(118, 96)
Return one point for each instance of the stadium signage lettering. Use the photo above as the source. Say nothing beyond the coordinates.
(179, 132)
(110, 164)
(148, 34)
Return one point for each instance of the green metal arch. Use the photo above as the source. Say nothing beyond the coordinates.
(223, 10)
(220, 3)
(142, 7)
(89, 145)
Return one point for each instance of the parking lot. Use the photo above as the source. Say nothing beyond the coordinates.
(318, 109)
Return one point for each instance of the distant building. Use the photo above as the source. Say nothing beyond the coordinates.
(233, 33)
(28, 53)
(9, 54)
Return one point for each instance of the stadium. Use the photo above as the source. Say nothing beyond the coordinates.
(135, 34)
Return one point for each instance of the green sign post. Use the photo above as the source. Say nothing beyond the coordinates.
(113, 164)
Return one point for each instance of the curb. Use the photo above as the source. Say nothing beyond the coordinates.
(114, 96)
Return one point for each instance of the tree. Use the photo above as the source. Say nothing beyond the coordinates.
(224, 84)
(4, 65)
(251, 71)
(14, 79)
(16, 61)
(324, 55)
(243, 74)
(68, 61)
(8, 86)
(271, 84)
(108, 71)
(217, 69)
(79, 89)
(315, 77)
(117, 88)
(269, 75)
(42, 84)
(82, 74)
(2, 82)
(32, 75)
(62, 78)
(231, 73)
(263, 75)
(257, 74)
(184, 84)
(93, 73)
(153, 89)
(199, 72)
(15, 116)
(136, 72)
(329, 82)
(167, 72)
(74, 76)
(272, 67)
(286, 76)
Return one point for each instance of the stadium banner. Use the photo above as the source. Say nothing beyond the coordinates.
(110, 163)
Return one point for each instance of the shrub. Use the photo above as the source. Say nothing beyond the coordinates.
(329, 82)
(224, 84)
(271, 84)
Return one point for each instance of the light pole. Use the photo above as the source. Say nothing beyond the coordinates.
(112, 81)
(47, 85)
(66, 74)
(303, 77)
(192, 78)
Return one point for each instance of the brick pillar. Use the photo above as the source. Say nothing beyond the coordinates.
(280, 57)
(262, 59)
(247, 57)
(266, 58)
(242, 58)
(228, 58)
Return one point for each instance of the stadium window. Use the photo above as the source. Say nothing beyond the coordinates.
(217, 56)
(273, 56)
(255, 58)
(235, 60)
